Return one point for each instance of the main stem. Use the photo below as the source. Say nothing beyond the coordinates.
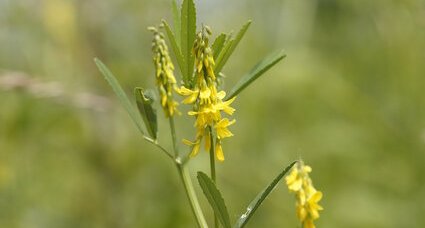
(191, 195)
(212, 167)
(187, 181)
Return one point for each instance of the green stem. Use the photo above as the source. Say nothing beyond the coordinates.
(187, 181)
(212, 167)
(173, 136)
(154, 142)
(191, 195)
(212, 157)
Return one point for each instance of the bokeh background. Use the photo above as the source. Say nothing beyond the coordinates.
(348, 99)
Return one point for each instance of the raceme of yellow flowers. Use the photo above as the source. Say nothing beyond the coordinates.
(207, 100)
(307, 196)
(165, 79)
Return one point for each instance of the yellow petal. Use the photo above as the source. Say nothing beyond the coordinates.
(188, 142)
(221, 128)
(211, 59)
(221, 95)
(223, 132)
(307, 169)
(301, 212)
(308, 224)
(225, 122)
(205, 93)
(316, 197)
(211, 73)
(301, 196)
(314, 214)
(192, 113)
(191, 98)
(291, 177)
(228, 102)
(296, 185)
(195, 150)
(163, 100)
(219, 151)
(225, 106)
(185, 91)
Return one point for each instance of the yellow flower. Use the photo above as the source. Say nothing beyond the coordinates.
(299, 182)
(295, 179)
(165, 79)
(312, 203)
(221, 128)
(225, 106)
(208, 104)
(191, 94)
(195, 147)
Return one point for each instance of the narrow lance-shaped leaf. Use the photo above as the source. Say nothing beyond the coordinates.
(176, 21)
(259, 69)
(188, 32)
(122, 97)
(218, 44)
(224, 56)
(144, 101)
(225, 49)
(175, 47)
(253, 206)
(214, 198)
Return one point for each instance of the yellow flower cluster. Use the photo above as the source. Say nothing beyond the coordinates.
(207, 101)
(307, 196)
(165, 79)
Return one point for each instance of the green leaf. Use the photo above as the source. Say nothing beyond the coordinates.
(214, 198)
(218, 45)
(224, 56)
(188, 33)
(259, 69)
(176, 21)
(175, 47)
(253, 206)
(122, 97)
(144, 101)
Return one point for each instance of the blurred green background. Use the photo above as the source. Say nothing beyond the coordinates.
(348, 99)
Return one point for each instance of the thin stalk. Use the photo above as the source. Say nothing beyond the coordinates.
(191, 195)
(212, 167)
(173, 136)
(187, 181)
(212, 157)
(154, 142)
